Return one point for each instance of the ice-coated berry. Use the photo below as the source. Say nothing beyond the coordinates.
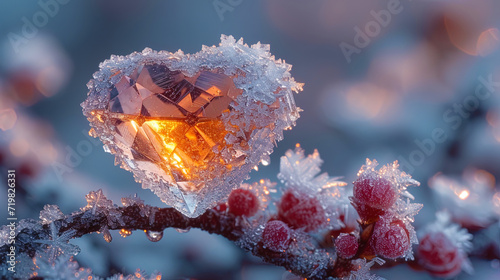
(390, 240)
(276, 235)
(367, 213)
(346, 245)
(301, 211)
(375, 192)
(438, 255)
(243, 203)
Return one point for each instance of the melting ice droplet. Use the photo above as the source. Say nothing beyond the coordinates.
(191, 127)
(154, 236)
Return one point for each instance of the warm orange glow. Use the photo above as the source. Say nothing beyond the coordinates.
(463, 194)
(125, 232)
(297, 145)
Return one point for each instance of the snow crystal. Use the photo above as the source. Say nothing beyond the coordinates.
(57, 243)
(300, 175)
(132, 200)
(362, 271)
(96, 200)
(50, 213)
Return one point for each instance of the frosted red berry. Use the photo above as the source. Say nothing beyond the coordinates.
(367, 213)
(243, 203)
(390, 240)
(301, 211)
(375, 192)
(438, 255)
(276, 235)
(346, 245)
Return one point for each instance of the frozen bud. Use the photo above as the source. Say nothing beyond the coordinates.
(301, 211)
(276, 236)
(243, 202)
(346, 245)
(375, 192)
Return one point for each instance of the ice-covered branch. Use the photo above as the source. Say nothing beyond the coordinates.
(138, 216)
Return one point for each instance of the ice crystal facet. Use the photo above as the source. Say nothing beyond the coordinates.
(50, 213)
(191, 127)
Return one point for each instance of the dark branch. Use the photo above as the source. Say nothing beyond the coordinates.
(212, 221)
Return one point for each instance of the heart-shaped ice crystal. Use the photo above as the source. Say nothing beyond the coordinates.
(191, 127)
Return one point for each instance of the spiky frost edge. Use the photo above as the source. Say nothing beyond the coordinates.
(301, 174)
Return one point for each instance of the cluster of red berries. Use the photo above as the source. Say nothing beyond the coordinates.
(373, 197)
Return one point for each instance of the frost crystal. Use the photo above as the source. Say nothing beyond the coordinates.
(57, 244)
(97, 201)
(300, 176)
(363, 270)
(68, 269)
(191, 127)
(50, 213)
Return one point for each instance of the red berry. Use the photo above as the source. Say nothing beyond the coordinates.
(439, 255)
(347, 245)
(221, 207)
(243, 203)
(301, 211)
(276, 235)
(390, 240)
(367, 213)
(375, 192)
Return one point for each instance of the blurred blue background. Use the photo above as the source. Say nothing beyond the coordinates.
(382, 78)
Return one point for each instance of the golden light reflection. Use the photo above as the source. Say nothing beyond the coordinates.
(125, 232)
(463, 194)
